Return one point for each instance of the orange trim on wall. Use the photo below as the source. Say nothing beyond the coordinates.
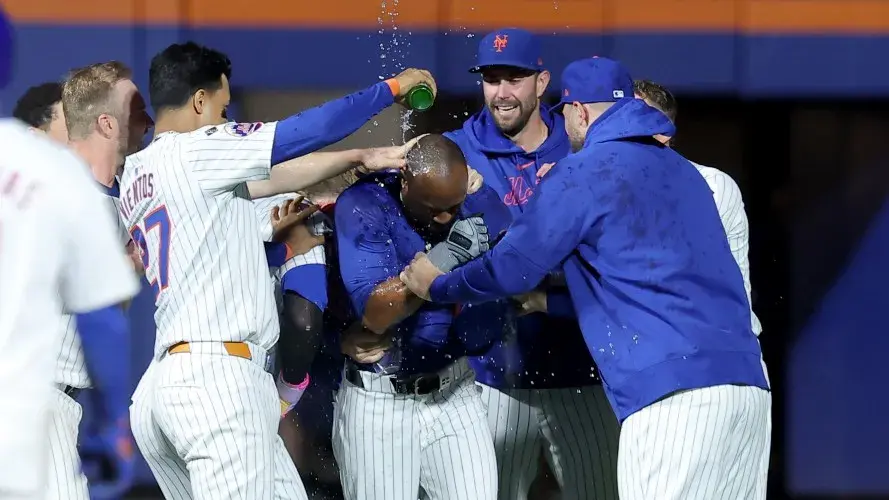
(753, 16)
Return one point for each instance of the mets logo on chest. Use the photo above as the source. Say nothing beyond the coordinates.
(520, 192)
(500, 42)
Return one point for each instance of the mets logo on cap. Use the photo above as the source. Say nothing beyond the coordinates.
(500, 42)
(242, 129)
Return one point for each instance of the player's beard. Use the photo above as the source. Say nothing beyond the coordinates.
(512, 125)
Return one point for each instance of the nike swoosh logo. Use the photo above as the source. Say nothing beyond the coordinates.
(523, 166)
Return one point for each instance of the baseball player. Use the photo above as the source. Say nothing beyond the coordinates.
(40, 107)
(542, 393)
(45, 190)
(95, 97)
(725, 190)
(413, 420)
(301, 294)
(301, 282)
(660, 299)
(205, 414)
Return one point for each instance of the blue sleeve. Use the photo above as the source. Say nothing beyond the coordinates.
(276, 254)
(558, 304)
(308, 281)
(366, 255)
(105, 337)
(552, 226)
(328, 123)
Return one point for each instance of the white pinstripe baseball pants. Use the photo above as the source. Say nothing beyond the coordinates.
(395, 447)
(576, 428)
(207, 424)
(65, 480)
(701, 444)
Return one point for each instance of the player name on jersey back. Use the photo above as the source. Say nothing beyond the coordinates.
(185, 202)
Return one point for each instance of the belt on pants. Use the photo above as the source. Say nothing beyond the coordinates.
(420, 384)
(236, 349)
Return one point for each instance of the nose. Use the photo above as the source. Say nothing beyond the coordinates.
(503, 91)
(443, 218)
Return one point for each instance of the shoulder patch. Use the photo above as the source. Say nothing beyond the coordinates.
(210, 131)
(242, 129)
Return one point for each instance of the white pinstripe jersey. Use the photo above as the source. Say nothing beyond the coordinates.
(46, 192)
(185, 200)
(263, 207)
(728, 200)
(70, 365)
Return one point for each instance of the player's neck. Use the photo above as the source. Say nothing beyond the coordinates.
(101, 159)
(533, 135)
(174, 121)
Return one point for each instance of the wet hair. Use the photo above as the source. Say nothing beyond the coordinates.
(434, 156)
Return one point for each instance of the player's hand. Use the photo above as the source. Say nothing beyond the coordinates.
(386, 158)
(108, 460)
(419, 275)
(412, 77)
(475, 181)
(289, 225)
(531, 302)
(363, 345)
(546, 167)
(467, 240)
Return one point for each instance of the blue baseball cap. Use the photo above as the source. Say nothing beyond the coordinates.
(597, 79)
(6, 49)
(509, 47)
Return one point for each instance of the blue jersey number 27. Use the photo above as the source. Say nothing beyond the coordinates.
(157, 219)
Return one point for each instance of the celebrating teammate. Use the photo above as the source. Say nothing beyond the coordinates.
(725, 190)
(549, 392)
(660, 299)
(301, 281)
(415, 410)
(44, 189)
(40, 107)
(105, 117)
(205, 414)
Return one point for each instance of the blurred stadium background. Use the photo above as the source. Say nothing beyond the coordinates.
(791, 97)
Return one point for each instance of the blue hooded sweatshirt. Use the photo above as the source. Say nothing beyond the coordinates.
(660, 299)
(539, 350)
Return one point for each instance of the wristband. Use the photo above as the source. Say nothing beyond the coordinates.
(394, 86)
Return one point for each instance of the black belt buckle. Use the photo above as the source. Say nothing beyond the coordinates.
(420, 385)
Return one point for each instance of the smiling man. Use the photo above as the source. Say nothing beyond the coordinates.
(659, 297)
(541, 390)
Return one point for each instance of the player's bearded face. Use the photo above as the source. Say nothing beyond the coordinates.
(511, 97)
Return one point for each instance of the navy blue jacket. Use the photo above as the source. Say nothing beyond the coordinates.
(660, 299)
(539, 350)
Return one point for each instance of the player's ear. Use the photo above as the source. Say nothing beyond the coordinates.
(198, 100)
(106, 124)
(543, 79)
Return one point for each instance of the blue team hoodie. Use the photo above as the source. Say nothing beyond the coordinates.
(538, 351)
(660, 299)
